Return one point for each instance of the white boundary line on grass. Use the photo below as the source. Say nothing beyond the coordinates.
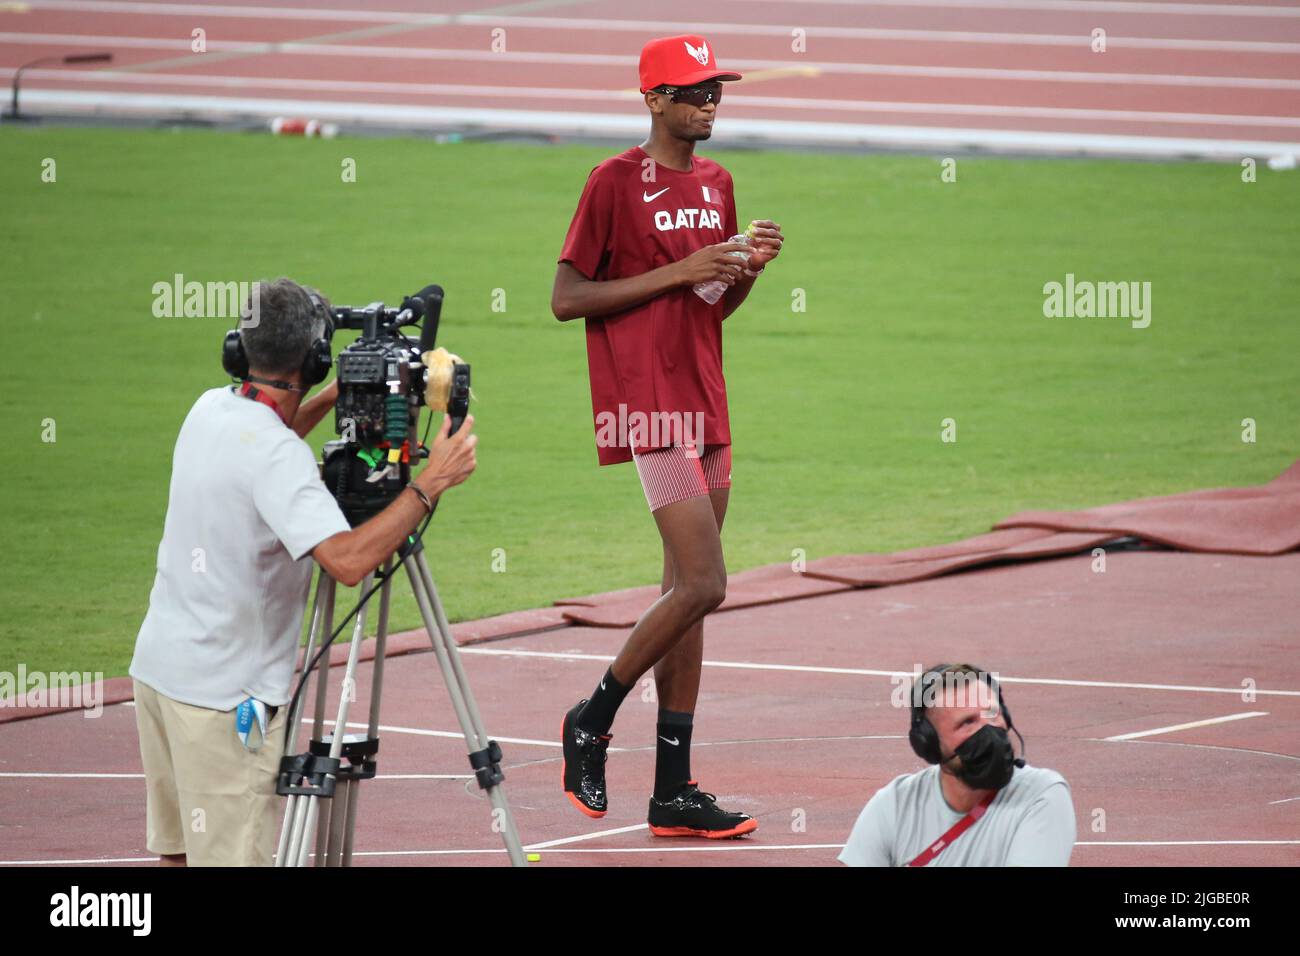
(741, 132)
(797, 104)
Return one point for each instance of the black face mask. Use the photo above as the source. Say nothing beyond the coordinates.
(987, 759)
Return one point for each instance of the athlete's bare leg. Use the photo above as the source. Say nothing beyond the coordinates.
(677, 674)
(690, 533)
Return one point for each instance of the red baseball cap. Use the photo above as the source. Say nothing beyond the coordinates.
(679, 61)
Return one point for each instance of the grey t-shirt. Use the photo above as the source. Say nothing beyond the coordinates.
(246, 508)
(1029, 823)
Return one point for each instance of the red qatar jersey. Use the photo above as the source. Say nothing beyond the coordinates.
(656, 368)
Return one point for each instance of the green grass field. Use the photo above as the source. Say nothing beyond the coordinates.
(924, 302)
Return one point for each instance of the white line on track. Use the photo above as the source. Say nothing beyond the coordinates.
(140, 776)
(455, 735)
(555, 123)
(1187, 843)
(552, 94)
(1080, 41)
(76, 776)
(712, 847)
(1188, 726)
(1064, 6)
(1272, 803)
(587, 836)
(866, 672)
(604, 59)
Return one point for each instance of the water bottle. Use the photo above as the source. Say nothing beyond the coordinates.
(712, 290)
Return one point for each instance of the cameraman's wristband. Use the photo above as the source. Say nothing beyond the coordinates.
(424, 499)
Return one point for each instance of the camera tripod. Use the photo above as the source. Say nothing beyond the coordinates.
(323, 784)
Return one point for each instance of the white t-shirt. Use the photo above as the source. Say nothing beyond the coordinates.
(1029, 823)
(245, 509)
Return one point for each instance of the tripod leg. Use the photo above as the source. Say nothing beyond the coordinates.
(346, 695)
(462, 698)
(322, 609)
(338, 814)
(376, 694)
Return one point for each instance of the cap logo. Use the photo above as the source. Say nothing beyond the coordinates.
(701, 55)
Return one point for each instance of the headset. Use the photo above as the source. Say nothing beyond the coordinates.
(316, 364)
(922, 735)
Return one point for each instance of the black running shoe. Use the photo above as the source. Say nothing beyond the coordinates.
(584, 765)
(695, 813)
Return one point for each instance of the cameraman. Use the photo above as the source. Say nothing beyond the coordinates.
(246, 513)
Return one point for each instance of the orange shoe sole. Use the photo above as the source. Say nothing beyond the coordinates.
(594, 814)
(749, 826)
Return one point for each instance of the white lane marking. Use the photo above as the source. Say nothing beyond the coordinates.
(1054, 6)
(587, 836)
(1188, 726)
(866, 672)
(140, 776)
(605, 59)
(738, 847)
(653, 27)
(451, 734)
(77, 776)
(554, 123)
(796, 103)
(1287, 800)
(1187, 842)
(105, 860)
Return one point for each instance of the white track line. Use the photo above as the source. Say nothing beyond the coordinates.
(866, 672)
(1273, 803)
(606, 125)
(1188, 726)
(1187, 843)
(796, 104)
(140, 776)
(552, 94)
(451, 734)
(730, 848)
(105, 860)
(587, 836)
(77, 776)
(1050, 6)
(1063, 6)
(605, 59)
(1081, 40)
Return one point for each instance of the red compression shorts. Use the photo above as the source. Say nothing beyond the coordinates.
(669, 475)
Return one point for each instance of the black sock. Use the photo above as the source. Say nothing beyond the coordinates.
(672, 752)
(598, 716)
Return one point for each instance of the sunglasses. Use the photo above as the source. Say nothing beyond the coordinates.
(698, 95)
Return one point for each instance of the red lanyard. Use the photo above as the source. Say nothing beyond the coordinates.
(958, 828)
(248, 391)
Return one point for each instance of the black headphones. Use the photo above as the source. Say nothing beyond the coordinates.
(922, 735)
(316, 364)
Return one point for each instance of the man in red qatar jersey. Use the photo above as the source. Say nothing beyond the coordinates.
(652, 224)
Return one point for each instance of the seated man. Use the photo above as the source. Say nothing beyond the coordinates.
(978, 805)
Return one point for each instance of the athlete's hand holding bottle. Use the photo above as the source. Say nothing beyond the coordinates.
(714, 269)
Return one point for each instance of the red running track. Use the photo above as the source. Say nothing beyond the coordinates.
(796, 725)
(1206, 79)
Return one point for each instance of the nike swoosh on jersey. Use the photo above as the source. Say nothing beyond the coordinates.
(646, 197)
(675, 741)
